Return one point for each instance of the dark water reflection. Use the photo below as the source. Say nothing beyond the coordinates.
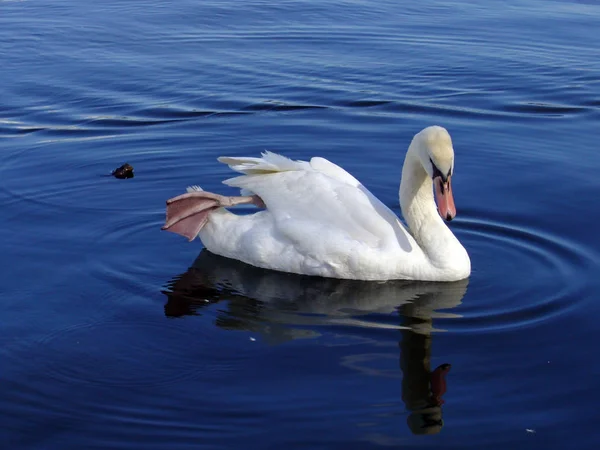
(284, 307)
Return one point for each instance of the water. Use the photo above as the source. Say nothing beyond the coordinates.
(117, 335)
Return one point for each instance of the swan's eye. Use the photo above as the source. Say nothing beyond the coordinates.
(437, 172)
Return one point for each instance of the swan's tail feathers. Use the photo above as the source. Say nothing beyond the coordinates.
(188, 213)
(269, 163)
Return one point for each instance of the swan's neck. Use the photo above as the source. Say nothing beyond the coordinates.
(444, 252)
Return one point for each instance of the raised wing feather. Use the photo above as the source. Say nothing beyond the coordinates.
(333, 170)
(317, 199)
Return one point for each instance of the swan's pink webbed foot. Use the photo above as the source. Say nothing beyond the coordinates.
(188, 213)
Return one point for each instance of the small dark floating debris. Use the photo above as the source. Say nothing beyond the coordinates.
(125, 171)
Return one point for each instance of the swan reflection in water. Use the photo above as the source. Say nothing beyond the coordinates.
(282, 306)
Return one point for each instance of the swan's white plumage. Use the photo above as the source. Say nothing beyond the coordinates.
(320, 220)
(302, 194)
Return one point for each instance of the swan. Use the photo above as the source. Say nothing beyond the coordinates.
(317, 219)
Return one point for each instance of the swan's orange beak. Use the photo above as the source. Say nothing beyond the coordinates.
(444, 199)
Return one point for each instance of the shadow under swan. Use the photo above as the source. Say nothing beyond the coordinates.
(282, 306)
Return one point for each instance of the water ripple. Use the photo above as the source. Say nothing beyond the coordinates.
(133, 353)
(90, 126)
(553, 267)
(545, 109)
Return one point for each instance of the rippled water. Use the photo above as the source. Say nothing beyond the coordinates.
(117, 335)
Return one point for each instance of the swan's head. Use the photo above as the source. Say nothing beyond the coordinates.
(434, 147)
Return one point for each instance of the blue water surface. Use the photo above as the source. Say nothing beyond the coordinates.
(116, 335)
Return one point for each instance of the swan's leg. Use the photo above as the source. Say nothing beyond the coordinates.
(188, 213)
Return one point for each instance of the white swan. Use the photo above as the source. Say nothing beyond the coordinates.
(320, 220)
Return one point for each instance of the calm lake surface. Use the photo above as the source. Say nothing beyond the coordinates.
(116, 335)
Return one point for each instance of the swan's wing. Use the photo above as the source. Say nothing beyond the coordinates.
(333, 170)
(273, 163)
(311, 200)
